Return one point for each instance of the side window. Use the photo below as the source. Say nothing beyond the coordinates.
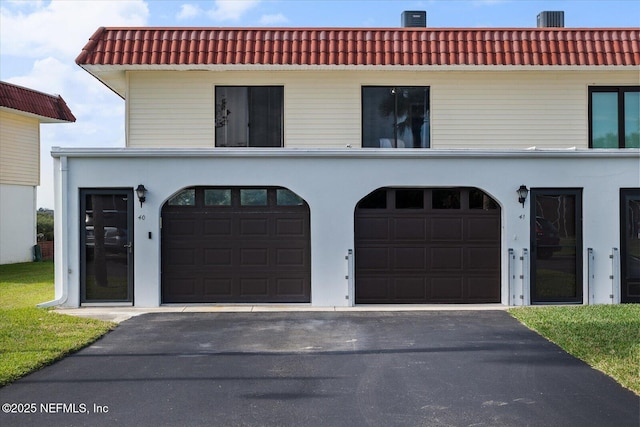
(614, 117)
(249, 116)
(395, 117)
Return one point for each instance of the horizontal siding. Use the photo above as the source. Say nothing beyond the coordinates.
(512, 109)
(19, 149)
(169, 109)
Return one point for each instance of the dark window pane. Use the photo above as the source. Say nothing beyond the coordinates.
(377, 117)
(253, 197)
(445, 199)
(478, 199)
(286, 197)
(409, 199)
(395, 117)
(217, 197)
(184, 198)
(249, 116)
(265, 116)
(375, 200)
(632, 119)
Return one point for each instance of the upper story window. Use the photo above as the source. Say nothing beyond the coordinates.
(614, 117)
(395, 117)
(249, 116)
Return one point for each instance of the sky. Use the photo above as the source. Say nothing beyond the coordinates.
(39, 41)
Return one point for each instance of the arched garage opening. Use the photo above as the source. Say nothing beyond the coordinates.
(236, 245)
(427, 245)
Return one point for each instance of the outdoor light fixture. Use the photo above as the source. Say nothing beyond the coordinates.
(140, 192)
(523, 191)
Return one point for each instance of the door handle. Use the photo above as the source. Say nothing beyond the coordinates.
(128, 245)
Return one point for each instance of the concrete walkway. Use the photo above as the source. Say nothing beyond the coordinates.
(120, 314)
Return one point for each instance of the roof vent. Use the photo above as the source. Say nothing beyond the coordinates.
(551, 19)
(414, 18)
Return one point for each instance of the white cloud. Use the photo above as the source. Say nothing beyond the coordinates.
(273, 19)
(62, 27)
(45, 38)
(231, 10)
(188, 11)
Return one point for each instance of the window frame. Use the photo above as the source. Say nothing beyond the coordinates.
(620, 91)
(426, 119)
(247, 105)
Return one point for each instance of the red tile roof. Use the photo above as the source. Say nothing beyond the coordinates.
(336, 46)
(34, 102)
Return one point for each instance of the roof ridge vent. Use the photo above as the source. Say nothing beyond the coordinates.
(414, 19)
(551, 19)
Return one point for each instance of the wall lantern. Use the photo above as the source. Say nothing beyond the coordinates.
(140, 192)
(523, 191)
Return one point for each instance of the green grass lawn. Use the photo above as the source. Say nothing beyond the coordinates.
(607, 337)
(32, 337)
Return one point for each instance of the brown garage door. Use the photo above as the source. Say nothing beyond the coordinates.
(427, 246)
(235, 245)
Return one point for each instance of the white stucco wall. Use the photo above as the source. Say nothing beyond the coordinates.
(332, 182)
(17, 223)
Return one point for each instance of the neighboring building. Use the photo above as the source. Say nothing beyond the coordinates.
(21, 112)
(353, 166)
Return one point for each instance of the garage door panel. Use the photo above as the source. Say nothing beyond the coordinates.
(483, 258)
(290, 286)
(411, 258)
(218, 257)
(217, 227)
(372, 288)
(182, 286)
(483, 229)
(373, 228)
(181, 227)
(254, 287)
(446, 258)
(290, 257)
(220, 287)
(254, 227)
(410, 229)
(373, 258)
(254, 257)
(293, 227)
(447, 229)
(181, 256)
(481, 288)
(409, 289)
(447, 288)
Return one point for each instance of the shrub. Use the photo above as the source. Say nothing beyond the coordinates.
(45, 224)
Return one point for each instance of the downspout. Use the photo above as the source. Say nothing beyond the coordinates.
(63, 247)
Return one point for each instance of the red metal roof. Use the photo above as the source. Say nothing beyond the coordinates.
(343, 46)
(34, 102)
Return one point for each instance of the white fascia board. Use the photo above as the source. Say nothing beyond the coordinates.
(347, 153)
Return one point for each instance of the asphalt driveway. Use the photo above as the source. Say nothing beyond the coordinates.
(320, 369)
